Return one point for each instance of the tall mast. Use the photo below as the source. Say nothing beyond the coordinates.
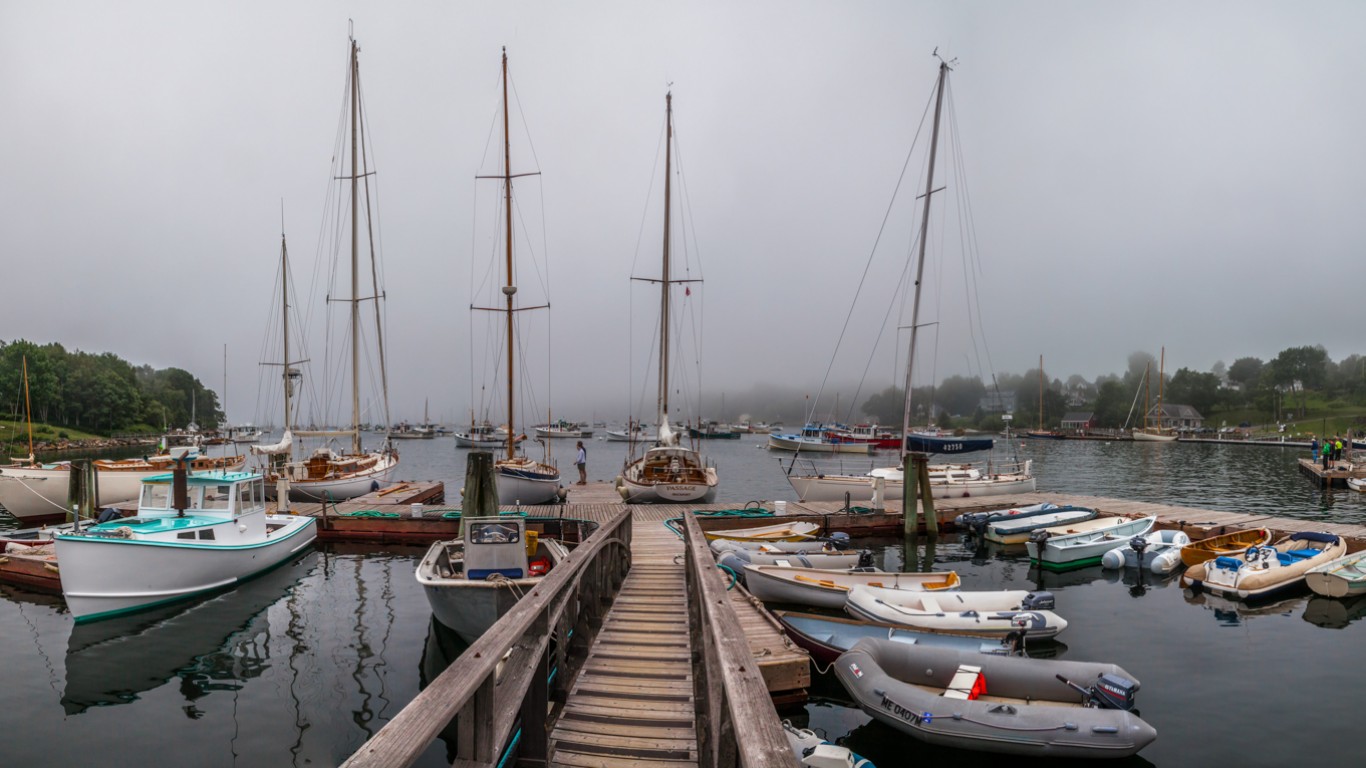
(509, 289)
(920, 266)
(28, 410)
(355, 251)
(1161, 369)
(284, 312)
(1147, 388)
(1040, 393)
(664, 278)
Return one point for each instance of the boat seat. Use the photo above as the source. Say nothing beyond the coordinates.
(1304, 554)
(967, 683)
(1230, 563)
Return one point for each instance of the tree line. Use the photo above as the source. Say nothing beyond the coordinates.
(1279, 388)
(101, 393)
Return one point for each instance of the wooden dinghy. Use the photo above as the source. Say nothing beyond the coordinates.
(833, 542)
(794, 531)
(1228, 544)
(1071, 520)
(978, 613)
(738, 559)
(1007, 704)
(826, 637)
(829, 588)
(1262, 570)
(1343, 577)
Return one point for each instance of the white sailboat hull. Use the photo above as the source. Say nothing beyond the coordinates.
(860, 487)
(106, 576)
(806, 445)
(519, 486)
(1153, 437)
(33, 494)
(349, 486)
(466, 441)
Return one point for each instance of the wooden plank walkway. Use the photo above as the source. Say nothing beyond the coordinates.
(632, 703)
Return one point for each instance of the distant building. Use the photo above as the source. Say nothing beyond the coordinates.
(998, 402)
(1175, 416)
(1078, 420)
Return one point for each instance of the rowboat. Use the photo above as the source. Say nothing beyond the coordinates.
(1073, 519)
(826, 637)
(1158, 551)
(1343, 577)
(829, 588)
(1007, 704)
(1061, 549)
(1226, 544)
(1261, 570)
(992, 614)
(837, 540)
(794, 531)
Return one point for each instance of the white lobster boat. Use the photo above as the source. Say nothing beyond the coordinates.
(472, 581)
(193, 533)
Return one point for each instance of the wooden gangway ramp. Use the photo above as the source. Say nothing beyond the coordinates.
(632, 704)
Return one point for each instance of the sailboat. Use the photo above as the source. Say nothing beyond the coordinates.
(520, 479)
(325, 475)
(1041, 433)
(35, 492)
(1156, 434)
(669, 472)
(946, 481)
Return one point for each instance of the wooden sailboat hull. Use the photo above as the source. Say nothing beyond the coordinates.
(1152, 437)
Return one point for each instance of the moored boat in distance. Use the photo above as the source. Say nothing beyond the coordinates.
(947, 481)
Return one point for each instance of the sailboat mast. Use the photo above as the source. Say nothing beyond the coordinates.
(1161, 374)
(1147, 389)
(920, 266)
(664, 278)
(284, 312)
(1040, 393)
(28, 409)
(508, 289)
(355, 251)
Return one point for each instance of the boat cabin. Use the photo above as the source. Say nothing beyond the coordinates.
(501, 546)
(230, 494)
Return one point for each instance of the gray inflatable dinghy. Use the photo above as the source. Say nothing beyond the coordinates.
(1007, 704)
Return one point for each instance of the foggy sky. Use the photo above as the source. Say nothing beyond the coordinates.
(1181, 174)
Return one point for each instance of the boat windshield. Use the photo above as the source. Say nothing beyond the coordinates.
(494, 533)
(156, 496)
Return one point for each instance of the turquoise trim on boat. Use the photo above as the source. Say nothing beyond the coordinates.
(191, 595)
(210, 477)
(187, 544)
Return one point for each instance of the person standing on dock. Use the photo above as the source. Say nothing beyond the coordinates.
(581, 461)
(1313, 448)
(1337, 449)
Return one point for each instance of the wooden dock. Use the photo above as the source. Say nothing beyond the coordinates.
(1335, 476)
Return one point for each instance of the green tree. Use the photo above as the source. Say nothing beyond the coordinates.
(1245, 371)
(1198, 390)
(1299, 369)
(1112, 404)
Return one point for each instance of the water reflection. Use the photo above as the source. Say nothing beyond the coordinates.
(1233, 613)
(211, 644)
(1140, 581)
(442, 647)
(1334, 613)
(871, 739)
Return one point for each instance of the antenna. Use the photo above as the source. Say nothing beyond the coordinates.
(951, 63)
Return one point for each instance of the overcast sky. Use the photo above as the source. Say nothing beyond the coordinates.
(1187, 174)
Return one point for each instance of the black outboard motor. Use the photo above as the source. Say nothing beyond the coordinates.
(1040, 536)
(1038, 601)
(865, 559)
(1139, 544)
(1109, 692)
(839, 540)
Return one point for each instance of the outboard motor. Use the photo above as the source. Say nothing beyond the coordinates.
(839, 540)
(1108, 692)
(865, 559)
(1038, 601)
(1040, 536)
(1139, 544)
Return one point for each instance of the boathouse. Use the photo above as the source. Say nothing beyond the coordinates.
(1175, 416)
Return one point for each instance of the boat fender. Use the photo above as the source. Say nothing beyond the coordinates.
(1038, 601)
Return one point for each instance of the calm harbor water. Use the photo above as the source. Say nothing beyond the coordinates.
(301, 666)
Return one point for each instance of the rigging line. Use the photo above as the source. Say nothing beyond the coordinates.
(972, 238)
(649, 193)
(687, 210)
(863, 278)
(376, 268)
